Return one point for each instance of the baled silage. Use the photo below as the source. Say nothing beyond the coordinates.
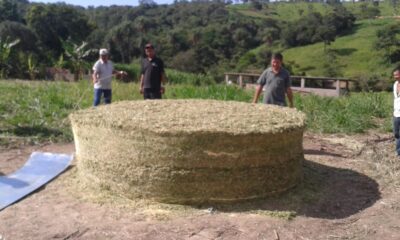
(189, 151)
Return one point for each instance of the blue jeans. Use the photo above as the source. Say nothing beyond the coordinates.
(396, 129)
(97, 96)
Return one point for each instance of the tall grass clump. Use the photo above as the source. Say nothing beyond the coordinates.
(352, 114)
(214, 91)
(133, 71)
(177, 77)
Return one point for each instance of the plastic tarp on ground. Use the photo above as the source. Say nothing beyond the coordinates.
(37, 171)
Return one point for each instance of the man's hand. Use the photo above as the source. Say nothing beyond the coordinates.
(122, 73)
(141, 90)
(162, 90)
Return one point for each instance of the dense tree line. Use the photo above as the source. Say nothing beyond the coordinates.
(314, 27)
(198, 36)
(388, 43)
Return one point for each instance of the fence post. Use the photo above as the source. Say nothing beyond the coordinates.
(337, 87)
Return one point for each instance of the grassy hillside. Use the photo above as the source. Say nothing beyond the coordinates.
(289, 11)
(385, 8)
(355, 53)
(280, 10)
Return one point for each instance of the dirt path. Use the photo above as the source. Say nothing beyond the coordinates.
(350, 191)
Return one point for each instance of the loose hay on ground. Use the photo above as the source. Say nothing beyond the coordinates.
(189, 151)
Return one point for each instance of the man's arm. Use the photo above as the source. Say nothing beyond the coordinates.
(119, 72)
(141, 83)
(164, 79)
(257, 93)
(289, 94)
(94, 77)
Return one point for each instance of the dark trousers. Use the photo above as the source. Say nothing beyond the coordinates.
(396, 129)
(151, 93)
(97, 96)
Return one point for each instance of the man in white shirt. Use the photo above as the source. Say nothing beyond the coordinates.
(103, 71)
(396, 109)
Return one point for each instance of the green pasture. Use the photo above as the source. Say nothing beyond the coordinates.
(355, 53)
(38, 111)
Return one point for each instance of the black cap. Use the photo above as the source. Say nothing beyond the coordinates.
(149, 45)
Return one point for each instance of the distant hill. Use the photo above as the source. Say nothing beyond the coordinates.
(207, 37)
(355, 55)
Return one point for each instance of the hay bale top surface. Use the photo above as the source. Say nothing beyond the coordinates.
(172, 116)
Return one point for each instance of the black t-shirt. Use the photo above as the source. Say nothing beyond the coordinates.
(152, 71)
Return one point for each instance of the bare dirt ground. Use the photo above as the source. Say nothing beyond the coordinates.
(350, 191)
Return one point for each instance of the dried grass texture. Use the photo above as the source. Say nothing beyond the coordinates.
(189, 151)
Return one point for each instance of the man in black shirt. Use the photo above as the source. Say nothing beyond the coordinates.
(152, 75)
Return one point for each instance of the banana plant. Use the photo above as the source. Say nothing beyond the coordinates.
(76, 54)
(32, 67)
(5, 51)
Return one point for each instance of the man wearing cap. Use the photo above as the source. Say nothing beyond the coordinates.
(152, 75)
(103, 71)
(277, 84)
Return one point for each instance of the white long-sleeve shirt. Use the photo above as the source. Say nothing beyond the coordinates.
(396, 101)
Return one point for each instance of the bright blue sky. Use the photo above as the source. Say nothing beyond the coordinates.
(97, 3)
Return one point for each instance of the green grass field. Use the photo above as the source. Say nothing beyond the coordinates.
(38, 111)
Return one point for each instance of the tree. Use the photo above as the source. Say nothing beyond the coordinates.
(185, 61)
(9, 11)
(16, 30)
(395, 5)
(388, 41)
(314, 27)
(331, 66)
(56, 22)
(122, 41)
(256, 5)
(341, 18)
(325, 33)
(147, 3)
(368, 12)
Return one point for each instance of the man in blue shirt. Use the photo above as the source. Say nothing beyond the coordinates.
(276, 80)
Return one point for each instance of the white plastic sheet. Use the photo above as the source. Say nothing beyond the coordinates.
(37, 171)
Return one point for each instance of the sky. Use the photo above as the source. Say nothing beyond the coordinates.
(97, 3)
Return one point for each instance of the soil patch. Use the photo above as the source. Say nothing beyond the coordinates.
(350, 191)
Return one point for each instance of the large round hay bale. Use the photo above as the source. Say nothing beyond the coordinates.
(189, 151)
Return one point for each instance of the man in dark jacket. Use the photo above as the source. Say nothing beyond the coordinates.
(152, 75)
